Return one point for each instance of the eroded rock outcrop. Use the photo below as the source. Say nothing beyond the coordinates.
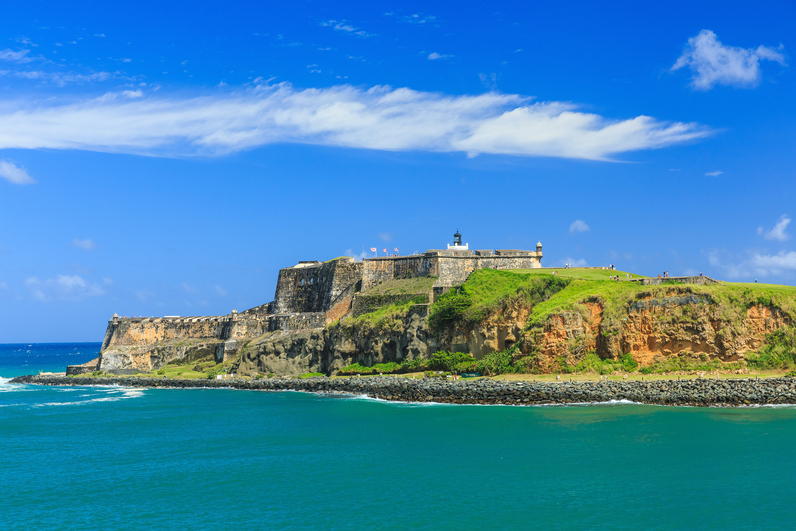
(651, 326)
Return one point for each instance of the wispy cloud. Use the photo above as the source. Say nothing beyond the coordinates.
(712, 63)
(345, 27)
(14, 174)
(778, 231)
(57, 78)
(489, 80)
(575, 262)
(578, 226)
(758, 264)
(357, 256)
(188, 288)
(219, 290)
(714, 173)
(381, 118)
(417, 18)
(434, 55)
(86, 245)
(66, 287)
(16, 56)
(143, 294)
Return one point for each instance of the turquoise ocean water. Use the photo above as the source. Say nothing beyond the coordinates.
(117, 458)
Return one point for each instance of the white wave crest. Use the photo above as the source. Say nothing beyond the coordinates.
(120, 393)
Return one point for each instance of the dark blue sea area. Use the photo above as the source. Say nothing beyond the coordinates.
(119, 458)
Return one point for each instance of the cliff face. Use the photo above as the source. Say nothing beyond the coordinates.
(675, 323)
(651, 326)
(330, 349)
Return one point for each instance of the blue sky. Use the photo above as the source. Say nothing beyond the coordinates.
(169, 157)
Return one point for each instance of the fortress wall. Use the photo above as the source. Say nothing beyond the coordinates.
(135, 332)
(342, 304)
(299, 321)
(263, 309)
(346, 278)
(379, 270)
(657, 281)
(313, 288)
(454, 270)
(147, 331)
(363, 304)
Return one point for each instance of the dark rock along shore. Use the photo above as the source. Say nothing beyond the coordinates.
(698, 392)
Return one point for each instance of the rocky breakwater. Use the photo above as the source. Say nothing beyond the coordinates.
(697, 392)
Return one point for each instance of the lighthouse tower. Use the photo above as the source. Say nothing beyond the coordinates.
(457, 243)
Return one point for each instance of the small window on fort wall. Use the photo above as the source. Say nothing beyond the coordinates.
(302, 281)
(312, 281)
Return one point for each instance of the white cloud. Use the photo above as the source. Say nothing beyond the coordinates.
(434, 55)
(86, 245)
(380, 118)
(220, 291)
(132, 94)
(418, 19)
(579, 226)
(143, 294)
(19, 57)
(357, 256)
(188, 288)
(3, 285)
(14, 174)
(57, 78)
(712, 63)
(580, 262)
(99, 34)
(758, 264)
(714, 173)
(342, 25)
(773, 263)
(778, 232)
(489, 80)
(65, 287)
(385, 236)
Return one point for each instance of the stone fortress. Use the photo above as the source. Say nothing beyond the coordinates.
(312, 294)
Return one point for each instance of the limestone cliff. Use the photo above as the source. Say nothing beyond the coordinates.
(649, 323)
(327, 350)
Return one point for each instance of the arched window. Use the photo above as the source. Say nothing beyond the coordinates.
(302, 281)
(312, 281)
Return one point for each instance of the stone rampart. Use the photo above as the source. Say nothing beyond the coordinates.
(91, 366)
(454, 270)
(657, 281)
(364, 303)
(452, 267)
(380, 270)
(142, 332)
(313, 286)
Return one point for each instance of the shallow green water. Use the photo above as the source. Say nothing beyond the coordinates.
(116, 458)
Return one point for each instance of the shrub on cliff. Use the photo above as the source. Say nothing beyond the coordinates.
(779, 351)
(449, 308)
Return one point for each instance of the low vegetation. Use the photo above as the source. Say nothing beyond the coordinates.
(487, 290)
(779, 351)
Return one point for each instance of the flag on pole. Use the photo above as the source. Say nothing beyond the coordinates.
(396, 249)
(385, 250)
(373, 249)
